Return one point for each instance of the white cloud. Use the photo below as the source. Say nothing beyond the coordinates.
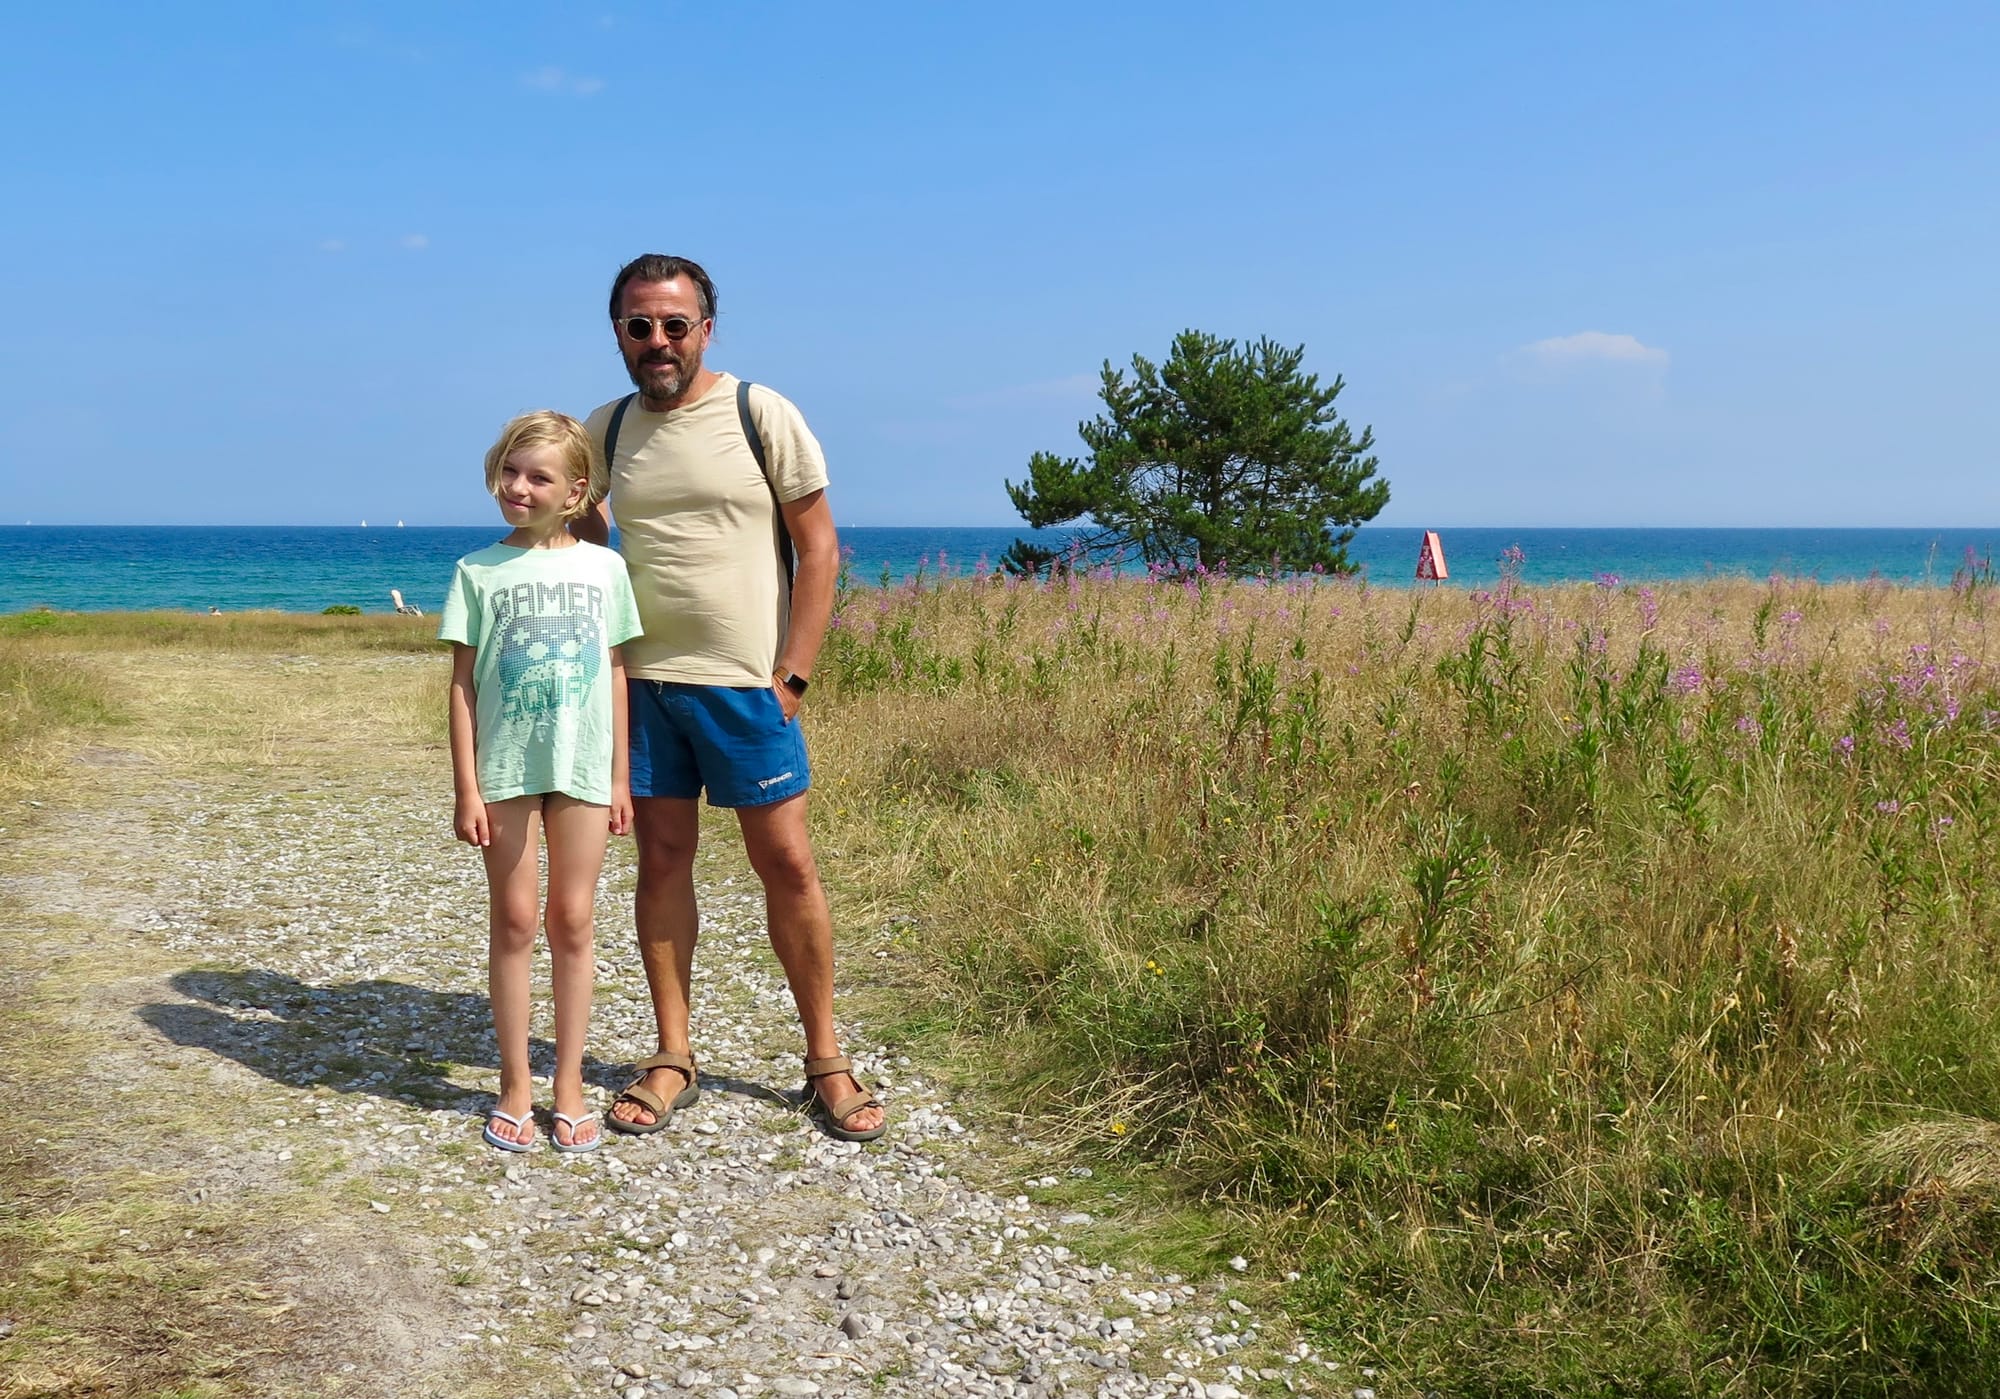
(1594, 347)
(332, 245)
(415, 242)
(561, 82)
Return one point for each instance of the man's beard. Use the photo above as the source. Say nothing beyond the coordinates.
(668, 390)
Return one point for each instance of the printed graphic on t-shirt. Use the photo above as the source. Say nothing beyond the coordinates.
(550, 646)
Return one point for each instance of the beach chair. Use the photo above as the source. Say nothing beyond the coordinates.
(408, 609)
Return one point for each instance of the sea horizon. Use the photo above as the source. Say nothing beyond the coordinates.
(307, 568)
(999, 528)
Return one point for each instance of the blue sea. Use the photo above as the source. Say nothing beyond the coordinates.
(194, 568)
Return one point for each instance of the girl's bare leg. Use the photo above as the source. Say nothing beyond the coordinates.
(511, 878)
(577, 835)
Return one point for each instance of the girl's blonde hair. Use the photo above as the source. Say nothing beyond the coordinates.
(580, 458)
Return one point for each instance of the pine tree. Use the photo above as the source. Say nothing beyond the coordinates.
(1221, 456)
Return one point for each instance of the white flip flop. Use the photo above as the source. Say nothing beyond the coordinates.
(573, 1123)
(494, 1139)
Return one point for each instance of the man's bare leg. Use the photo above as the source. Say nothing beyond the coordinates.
(780, 850)
(663, 911)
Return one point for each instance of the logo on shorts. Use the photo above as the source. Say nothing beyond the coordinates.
(774, 781)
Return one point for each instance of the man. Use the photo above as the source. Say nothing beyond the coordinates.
(719, 676)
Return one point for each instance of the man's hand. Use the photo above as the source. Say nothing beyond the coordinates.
(470, 824)
(787, 701)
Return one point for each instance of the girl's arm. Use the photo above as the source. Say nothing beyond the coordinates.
(469, 823)
(621, 756)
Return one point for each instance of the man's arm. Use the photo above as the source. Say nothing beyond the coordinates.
(816, 547)
(594, 525)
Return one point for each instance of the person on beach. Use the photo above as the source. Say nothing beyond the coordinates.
(538, 623)
(713, 483)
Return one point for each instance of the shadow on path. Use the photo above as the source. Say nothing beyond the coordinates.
(384, 1038)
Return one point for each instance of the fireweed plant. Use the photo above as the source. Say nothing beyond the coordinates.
(1586, 990)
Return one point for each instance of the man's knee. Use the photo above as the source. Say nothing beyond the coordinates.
(666, 843)
(665, 861)
(785, 864)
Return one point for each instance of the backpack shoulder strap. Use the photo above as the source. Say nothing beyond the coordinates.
(756, 441)
(750, 433)
(611, 432)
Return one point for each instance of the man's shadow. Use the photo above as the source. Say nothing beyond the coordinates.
(384, 1038)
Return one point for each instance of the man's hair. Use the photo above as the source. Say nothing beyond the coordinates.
(574, 445)
(659, 267)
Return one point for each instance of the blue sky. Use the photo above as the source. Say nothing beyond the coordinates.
(1579, 265)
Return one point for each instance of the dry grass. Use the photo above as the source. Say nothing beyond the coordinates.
(185, 632)
(116, 1280)
(1588, 992)
(1542, 965)
(47, 700)
(116, 1283)
(65, 677)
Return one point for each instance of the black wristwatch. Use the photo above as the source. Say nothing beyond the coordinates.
(792, 681)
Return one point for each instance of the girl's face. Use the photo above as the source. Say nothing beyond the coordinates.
(535, 490)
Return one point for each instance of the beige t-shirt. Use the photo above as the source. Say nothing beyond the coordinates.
(699, 531)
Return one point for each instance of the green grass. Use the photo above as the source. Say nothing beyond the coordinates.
(233, 631)
(1586, 992)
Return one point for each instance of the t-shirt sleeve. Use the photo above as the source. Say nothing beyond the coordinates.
(621, 612)
(460, 621)
(791, 453)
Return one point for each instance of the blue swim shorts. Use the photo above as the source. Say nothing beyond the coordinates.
(732, 740)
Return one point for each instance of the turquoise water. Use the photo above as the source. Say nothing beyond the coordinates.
(100, 568)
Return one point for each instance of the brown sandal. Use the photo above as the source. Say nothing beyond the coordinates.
(832, 1116)
(637, 1092)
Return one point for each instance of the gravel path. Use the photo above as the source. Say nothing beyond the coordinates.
(331, 951)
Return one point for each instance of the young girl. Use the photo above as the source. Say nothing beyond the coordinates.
(538, 744)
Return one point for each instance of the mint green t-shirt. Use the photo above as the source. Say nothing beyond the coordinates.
(542, 623)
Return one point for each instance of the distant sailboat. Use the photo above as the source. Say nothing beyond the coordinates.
(364, 524)
(399, 524)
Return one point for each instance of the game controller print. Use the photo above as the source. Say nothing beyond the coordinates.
(537, 651)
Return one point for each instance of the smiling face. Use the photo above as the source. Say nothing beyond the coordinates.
(535, 490)
(666, 371)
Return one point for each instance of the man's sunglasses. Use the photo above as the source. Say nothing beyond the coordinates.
(639, 329)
